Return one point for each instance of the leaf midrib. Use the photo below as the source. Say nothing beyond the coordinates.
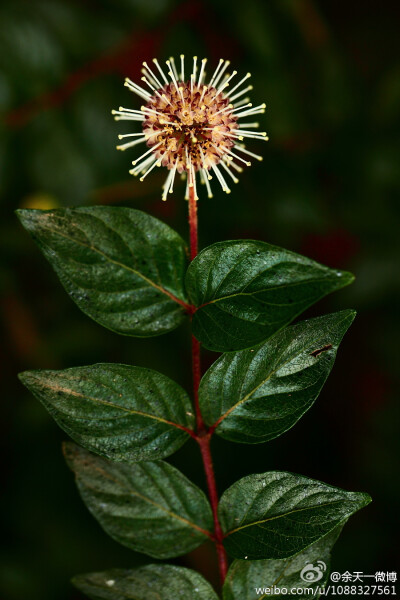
(122, 265)
(106, 474)
(56, 389)
(295, 510)
(267, 289)
(254, 390)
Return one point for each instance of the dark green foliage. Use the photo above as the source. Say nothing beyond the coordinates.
(149, 507)
(122, 412)
(247, 290)
(277, 514)
(244, 577)
(257, 394)
(121, 266)
(152, 582)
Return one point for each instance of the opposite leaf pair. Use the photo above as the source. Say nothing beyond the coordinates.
(251, 396)
(127, 270)
(245, 580)
(153, 508)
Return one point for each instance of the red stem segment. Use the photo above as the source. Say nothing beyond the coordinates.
(204, 443)
(203, 436)
(193, 224)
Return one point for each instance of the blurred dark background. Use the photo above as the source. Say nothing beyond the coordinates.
(329, 72)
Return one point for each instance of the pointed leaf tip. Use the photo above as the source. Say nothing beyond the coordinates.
(246, 290)
(149, 507)
(122, 267)
(121, 412)
(255, 395)
(275, 515)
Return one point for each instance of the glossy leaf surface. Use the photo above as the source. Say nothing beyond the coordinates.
(278, 514)
(250, 580)
(121, 412)
(149, 507)
(122, 267)
(152, 582)
(255, 395)
(247, 290)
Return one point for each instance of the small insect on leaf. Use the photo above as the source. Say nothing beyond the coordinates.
(316, 353)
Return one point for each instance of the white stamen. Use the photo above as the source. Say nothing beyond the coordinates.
(232, 164)
(156, 163)
(221, 60)
(218, 79)
(155, 61)
(261, 134)
(130, 144)
(171, 189)
(241, 107)
(125, 135)
(240, 83)
(142, 168)
(205, 88)
(244, 101)
(242, 149)
(194, 67)
(166, 185)
(255, 125)
(254, 136)
(137, 89)
(221, 179)
(206, 181)
(246, 162)
(189, 167)
(172, 75)
(251, 112)
(182, 67)
(247, 89)
(254, 111)
(193, 173)
(134, 162)
(152, 74)
(191, 83)
(227, 169)
(127, 117)
(223, 86)
(150, 78)
(171, 58)
(203, 64)
(128, 112)
(152, 87)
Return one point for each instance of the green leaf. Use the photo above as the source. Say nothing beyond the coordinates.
(121, 412)
(247, 290)
(256, 579)
(149, 507)
(152, 582)
(278, 514)
(122, 267)
(255, 395)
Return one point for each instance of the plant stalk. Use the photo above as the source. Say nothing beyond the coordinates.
(203, 436)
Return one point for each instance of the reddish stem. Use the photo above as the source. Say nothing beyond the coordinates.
(204, 443)
(203, 436)
(193, 224)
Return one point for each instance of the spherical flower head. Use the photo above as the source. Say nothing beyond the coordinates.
(190, 125)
